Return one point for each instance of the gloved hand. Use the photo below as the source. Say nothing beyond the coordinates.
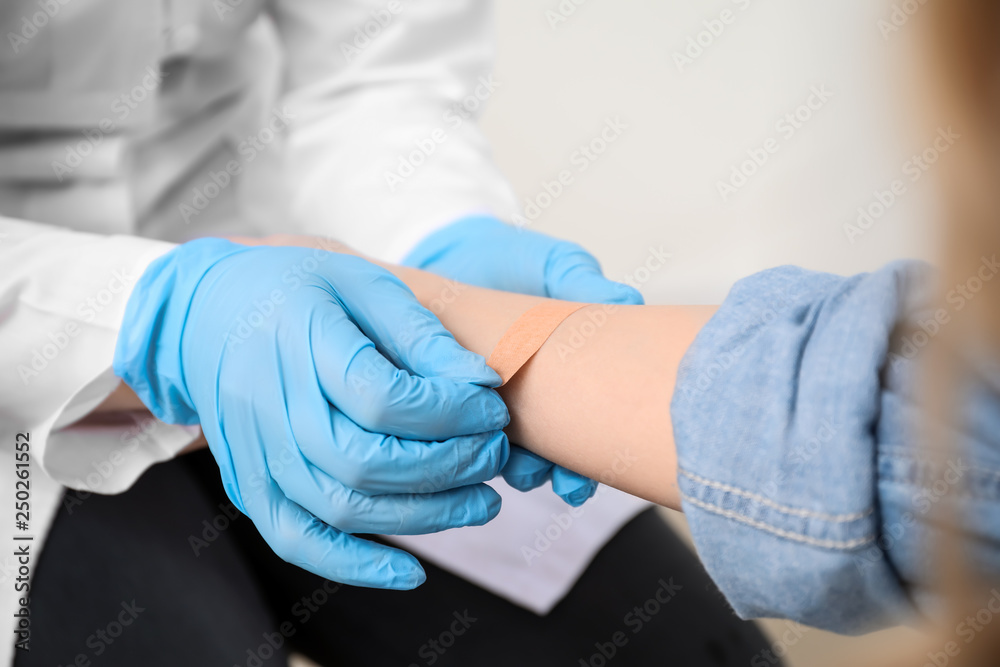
(483, 251)
(332, 401)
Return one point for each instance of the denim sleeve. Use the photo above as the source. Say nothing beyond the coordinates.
(804, 487)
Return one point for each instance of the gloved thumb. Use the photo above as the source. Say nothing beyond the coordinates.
(573, 274)
(573, 488)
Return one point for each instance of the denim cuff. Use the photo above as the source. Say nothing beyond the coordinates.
(777, 416)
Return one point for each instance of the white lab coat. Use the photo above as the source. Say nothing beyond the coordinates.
(126, 127)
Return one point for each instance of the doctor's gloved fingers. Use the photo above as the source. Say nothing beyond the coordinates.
(575, 489)
(298, 537)
(378, 463)
(350, 511)
(525, 470)
(405, 332)
(379, 396)
(573, 274)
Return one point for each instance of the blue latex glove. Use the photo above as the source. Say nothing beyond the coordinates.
(332, 401)
(483, 251)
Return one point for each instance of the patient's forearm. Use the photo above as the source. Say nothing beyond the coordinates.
(596, 396)
(603, 409)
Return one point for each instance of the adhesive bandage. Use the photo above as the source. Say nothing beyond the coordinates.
(524, 338)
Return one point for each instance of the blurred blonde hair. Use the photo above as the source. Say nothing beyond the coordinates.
(962, 65)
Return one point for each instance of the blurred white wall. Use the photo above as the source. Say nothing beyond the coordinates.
(656, 185)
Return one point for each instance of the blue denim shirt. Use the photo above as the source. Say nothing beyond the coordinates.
(807, 494)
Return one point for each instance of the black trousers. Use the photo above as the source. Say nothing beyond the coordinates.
(143, 579)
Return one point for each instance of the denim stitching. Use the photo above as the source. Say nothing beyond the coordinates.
(812, 541)
(793, 511)
(980, 483)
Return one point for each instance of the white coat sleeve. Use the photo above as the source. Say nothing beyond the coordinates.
(62, 297)
(384, 146)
